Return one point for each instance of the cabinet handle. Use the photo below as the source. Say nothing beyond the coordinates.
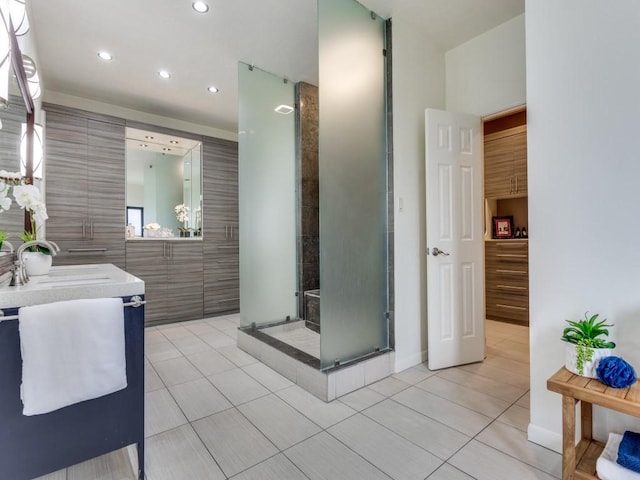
(85, 250)
(517, 272)
(84, 229)
(510, 287)
(513, 307)
(171, 250)
(510, 184)
(91, 230)
(511, 255)
(516, 183)
(231, 232)
(164, 249)
(226, 232)
(511, 244)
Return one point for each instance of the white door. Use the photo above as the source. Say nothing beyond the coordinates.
(455, 267)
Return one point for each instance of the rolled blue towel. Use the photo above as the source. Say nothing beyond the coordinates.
(615, 372)
(629, 451)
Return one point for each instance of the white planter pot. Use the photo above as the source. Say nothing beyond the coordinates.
(589, 368)
(36, 263)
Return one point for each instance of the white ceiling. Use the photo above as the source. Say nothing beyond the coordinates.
(200, 50)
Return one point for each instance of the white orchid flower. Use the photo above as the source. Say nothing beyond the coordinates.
(26, 195)
(5, 203)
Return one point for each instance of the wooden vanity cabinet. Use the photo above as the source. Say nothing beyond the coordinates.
(172, 271)
(85, 195)
(505, 163)
(507, 280)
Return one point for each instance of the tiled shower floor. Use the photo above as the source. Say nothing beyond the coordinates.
(299, 337)
(214, 412)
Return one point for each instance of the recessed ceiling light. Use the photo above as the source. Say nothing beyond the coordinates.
(144, 145)
(105, 55)
(165, 149)
(284, 109)
(164, 74)
(213, 89)
(148, 137)
(200, 7)
(175, 142)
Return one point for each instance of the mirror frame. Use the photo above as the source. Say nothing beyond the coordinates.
(21, 77)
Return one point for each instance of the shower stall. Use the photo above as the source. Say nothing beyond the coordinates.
(315, 222)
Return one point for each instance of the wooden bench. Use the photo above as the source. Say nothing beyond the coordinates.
(579, 462)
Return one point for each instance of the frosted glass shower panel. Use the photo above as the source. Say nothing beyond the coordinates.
(352, 178)
(267, 197)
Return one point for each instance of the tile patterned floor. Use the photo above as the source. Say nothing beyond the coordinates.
(214, 412)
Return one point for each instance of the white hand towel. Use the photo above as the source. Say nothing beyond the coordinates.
(71, 352)
(607, 468)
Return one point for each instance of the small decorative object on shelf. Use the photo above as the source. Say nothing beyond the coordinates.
(524, 232)
(615, 372)
(182, 214)
(518, 233)
(584, 348)
(185, 232)
(502, 227)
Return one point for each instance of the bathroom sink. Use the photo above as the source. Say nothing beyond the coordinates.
(72, 282)
(74, 272)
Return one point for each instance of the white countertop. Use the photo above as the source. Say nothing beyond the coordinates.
(73, 282)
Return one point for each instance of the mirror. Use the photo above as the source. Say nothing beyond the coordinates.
(164, 186)
(11, 120)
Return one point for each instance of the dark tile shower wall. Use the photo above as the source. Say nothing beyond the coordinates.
(307, 195)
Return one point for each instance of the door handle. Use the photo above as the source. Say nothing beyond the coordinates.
(435, 251)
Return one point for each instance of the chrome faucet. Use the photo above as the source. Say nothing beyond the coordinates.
(20, 276)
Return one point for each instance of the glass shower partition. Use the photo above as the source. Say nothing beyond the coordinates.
(266, 197)
(353, 183)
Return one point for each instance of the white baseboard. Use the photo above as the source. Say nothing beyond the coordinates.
(409, 361)
(544, 437)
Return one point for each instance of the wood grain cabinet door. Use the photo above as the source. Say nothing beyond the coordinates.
(147, 260)
(505, 163)
(221, 234)
(184, 280)
(85, 170)
(67, 189)
(106, 191)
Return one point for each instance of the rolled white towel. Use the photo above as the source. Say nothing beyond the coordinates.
(72, 351)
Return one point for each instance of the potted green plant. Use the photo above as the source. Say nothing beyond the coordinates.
(586, 345)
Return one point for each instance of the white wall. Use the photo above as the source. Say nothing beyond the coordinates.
(582, 102)
(487, 74)
(418, 83)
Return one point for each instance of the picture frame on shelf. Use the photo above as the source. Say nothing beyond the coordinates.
(502, 227)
